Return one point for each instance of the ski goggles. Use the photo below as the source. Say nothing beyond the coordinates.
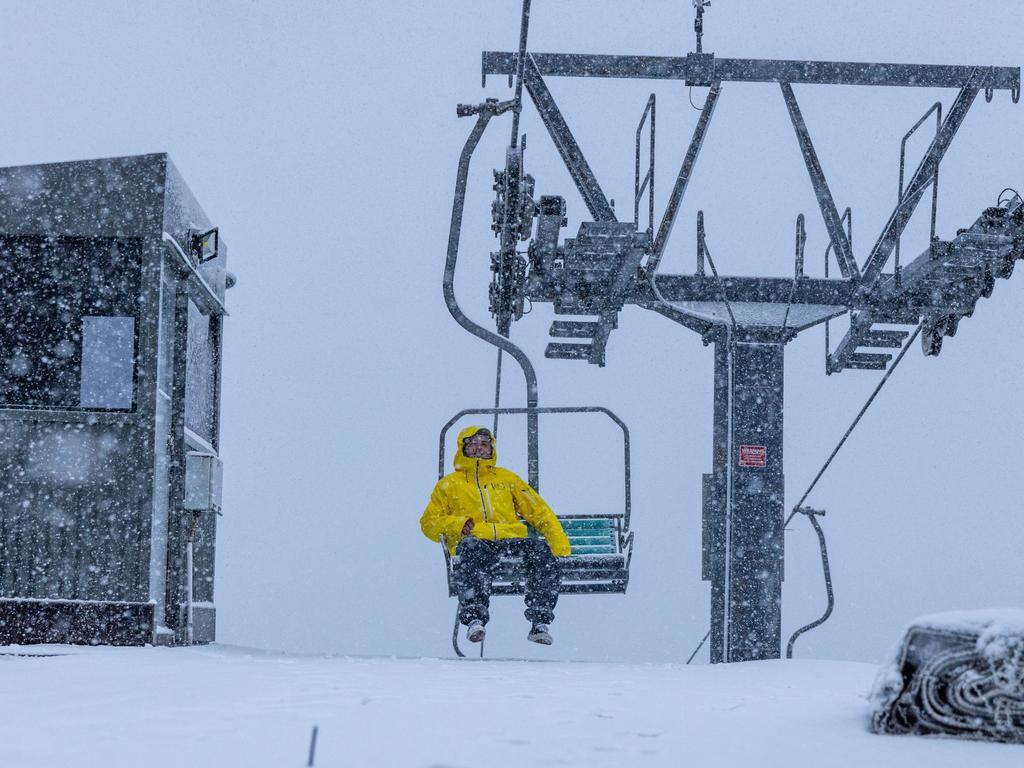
(482, 432)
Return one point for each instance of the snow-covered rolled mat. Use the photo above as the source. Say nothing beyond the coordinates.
(955, 674)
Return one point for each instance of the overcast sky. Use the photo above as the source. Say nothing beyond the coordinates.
(322, 139)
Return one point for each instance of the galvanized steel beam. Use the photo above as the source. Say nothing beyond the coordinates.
(591, 192)
(705, 68)
(807, 290)
(682, 180)
(833, 222)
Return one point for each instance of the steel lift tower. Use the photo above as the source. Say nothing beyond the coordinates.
(749, 320)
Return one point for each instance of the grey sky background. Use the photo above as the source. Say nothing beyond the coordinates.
(322, 138)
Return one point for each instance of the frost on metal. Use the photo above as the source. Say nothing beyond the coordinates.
(955, 674)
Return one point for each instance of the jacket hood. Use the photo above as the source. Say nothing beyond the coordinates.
(463, 462)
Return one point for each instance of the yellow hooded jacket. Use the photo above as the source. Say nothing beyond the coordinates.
(495, 499)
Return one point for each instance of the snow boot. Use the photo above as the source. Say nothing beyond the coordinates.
(475, 632)
(540, 633)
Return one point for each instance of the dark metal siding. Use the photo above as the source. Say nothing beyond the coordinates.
(74, 512)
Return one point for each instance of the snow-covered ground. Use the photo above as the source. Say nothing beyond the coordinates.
(224, 706)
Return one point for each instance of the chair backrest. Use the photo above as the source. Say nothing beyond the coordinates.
(591, 536)
(627, 495)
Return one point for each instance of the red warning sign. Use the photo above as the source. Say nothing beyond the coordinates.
(753, 455)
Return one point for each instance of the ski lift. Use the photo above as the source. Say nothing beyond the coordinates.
(601, 542)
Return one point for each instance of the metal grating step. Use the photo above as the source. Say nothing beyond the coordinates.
(868, 361)
(884, 338)
(560, 351)
(574, 329)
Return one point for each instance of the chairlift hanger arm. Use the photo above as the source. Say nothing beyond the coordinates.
(703, 68)
(484, 113)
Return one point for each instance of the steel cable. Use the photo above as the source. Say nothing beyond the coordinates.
(856, 421)
(811, 513)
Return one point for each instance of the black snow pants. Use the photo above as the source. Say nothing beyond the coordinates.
(474, 571)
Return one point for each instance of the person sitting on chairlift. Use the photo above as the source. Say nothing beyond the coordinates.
(480, 512)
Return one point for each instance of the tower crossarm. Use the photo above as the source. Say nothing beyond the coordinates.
(555, 287)
(705, 68)
(740, 289)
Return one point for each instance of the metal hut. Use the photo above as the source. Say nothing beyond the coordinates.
(112, 283)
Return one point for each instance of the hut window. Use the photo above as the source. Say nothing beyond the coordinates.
(108, 350)
(68, 319)
(200, 375)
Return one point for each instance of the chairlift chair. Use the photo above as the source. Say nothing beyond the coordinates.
(602, 542)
